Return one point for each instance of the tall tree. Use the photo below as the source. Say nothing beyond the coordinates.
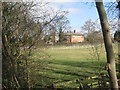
(61, 35)
(111, 67)
(119, 38)
(0, 45)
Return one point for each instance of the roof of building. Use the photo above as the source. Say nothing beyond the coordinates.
(72, 33)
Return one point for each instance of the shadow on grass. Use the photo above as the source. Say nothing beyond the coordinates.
(67, 73)
(90, 65)
(86, 68)
(70, 70)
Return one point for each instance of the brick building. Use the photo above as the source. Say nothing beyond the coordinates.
(73, 37)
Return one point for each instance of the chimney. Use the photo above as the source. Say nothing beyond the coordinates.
(74, 31)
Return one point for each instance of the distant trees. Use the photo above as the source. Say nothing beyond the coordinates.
(89, 26)
(95, 37)
(92, 32)
(117, 36)
(63, 26)
(110, 67)
(58, 28)
(61, 35)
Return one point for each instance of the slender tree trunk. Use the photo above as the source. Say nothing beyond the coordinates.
(0, 45)
(111, 67)
(119, 39)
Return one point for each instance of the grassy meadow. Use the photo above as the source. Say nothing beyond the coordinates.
(62, 64)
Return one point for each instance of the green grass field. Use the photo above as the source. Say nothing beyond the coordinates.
(69, 63)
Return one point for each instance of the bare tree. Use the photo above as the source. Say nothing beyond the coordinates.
(89, 26)
(21, 31)
(92, 32)
(111, 67)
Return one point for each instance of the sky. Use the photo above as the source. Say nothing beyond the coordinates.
(79, 12)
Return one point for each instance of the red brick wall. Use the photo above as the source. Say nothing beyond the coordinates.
(77, 38)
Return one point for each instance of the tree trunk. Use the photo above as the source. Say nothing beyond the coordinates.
(111, 67)
(119, 39)
(0, 45)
